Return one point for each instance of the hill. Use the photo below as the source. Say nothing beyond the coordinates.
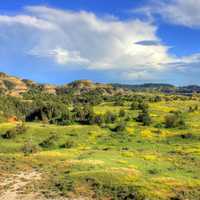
(14, 86)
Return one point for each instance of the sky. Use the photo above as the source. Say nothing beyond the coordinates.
(118, 41)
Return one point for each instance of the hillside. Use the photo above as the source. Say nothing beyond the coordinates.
(95, 141)
(116, 159)
(14, 86)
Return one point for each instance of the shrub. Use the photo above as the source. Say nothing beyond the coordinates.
(98, 119)
(122, 113)
(12, 133)
(68, 144)
(29, 148)
(110, 117)
(135, 105)
(175, 120)
(119, 102)
(157, 99)
(120, 127)
(158, 125)
(127, 118)
(139, 105)
(50, 141)
(193, 109)
(21, 128)
(144, 118)
(143, 106)
(114, 191)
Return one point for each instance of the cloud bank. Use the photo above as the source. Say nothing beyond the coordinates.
(179, 12)
(131, 49)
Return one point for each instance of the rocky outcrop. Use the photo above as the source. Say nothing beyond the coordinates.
(14, 86)
(51, 89)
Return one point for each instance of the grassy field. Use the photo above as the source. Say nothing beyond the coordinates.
(142, 162)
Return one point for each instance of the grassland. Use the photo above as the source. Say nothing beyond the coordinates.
(89, 161)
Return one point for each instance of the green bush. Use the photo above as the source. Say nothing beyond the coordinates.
(135, 105)
(50, 141)
(98, 119)
(120, 127)
(110, 117)
(122, 113)
(68, 144)
(12, 133)
(144, 118)
(175, 120)
(29, 148)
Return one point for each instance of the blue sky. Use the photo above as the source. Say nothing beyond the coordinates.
(126, 41)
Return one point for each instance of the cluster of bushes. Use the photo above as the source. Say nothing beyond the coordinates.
(114, 191)
(193, 108)
(37, 103)
(139, 105)
(66, 108)
(144, 117)
(12, 133)
(50, 141)
(12, 106)
(29, 148)
(175, 120)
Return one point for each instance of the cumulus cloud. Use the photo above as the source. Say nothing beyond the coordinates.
(60, 56)
(96, 43)
(25, 20)
(181, 12)
(188, 63)
(131, 49)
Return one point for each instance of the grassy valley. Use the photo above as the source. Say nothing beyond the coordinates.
(102, 143)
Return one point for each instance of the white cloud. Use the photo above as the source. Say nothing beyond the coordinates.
(131, 49)
(187, 63)
(181, 12)
(140, 75)
(60, 56)
(28, 21)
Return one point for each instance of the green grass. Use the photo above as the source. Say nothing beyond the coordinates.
(155, 163)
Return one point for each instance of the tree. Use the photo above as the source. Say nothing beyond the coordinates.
(120, 127)
(135, 105)
(99, 119)
(175, 120)
(122, 113)
(144, 117)
(110, 117)
(119, 102)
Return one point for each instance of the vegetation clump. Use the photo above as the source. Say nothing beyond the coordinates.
(14, 132)
(144, 117)
(50, 141)
(29, 148)
(175, 120)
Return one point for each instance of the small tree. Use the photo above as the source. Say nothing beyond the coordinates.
(175, 120)
(29, 148)
(50, 141)
(144, 117)
(119, 102)
(135, 105)
(98, 119)
(122, 113)
(120, 127)
(110, 117)
(143, 106)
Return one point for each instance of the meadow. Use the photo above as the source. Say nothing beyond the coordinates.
(90, 161)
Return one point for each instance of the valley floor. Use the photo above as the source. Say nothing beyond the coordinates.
(92, 162)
